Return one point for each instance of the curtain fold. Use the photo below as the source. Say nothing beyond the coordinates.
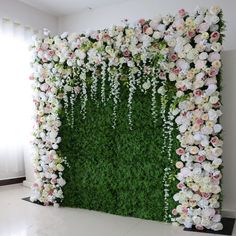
(16, 106)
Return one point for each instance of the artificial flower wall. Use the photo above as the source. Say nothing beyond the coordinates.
(177, 57)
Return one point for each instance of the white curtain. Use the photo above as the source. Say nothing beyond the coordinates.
(16, 104)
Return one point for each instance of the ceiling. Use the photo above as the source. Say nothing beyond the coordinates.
(66, 7)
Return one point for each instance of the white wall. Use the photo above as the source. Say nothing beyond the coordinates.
(228, 121)
(104, 17)
(27, 15)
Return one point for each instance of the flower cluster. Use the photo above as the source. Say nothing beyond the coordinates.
(198, 119)
(181, 52)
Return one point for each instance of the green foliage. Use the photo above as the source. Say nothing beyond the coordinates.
(116, 170)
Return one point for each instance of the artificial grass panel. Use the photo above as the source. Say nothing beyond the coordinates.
(119, 171)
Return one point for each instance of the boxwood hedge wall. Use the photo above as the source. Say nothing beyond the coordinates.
(119, 170)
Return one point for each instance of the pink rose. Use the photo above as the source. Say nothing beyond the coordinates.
(200, 159)
(213, 72)
(180, 151)
(206, 195)
(182, 12)
(106, 37)
(198, 92)
(180, 185)
(145, 27)
(176, 70)
(142, 21)
(185, 210)
(215, 141)
(190, 34)
(51, 53)
(199, 121)
(173, 57)
(149, 31)
(162, 75)
(215, 36)
(126, 53)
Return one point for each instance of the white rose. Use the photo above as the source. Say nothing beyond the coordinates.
(146, 85)
(61, 181)
(217, 162)
(211, 89)
(216, 218)
(203, 56)
(214, 10)
(179, 94)
(161, 90)
(217, 226)
(172, 77)
(64, 35)
(217, 128)
(157, 35)
(216, 46)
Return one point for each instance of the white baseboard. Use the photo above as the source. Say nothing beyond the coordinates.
(231, 213)
(27, 183)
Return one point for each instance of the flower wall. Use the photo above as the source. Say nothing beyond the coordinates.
(173, 60)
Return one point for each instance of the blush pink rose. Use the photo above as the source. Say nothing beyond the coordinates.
(190, 34)
(182, 12)
(206, 195)
(200, 159)
(126, 53)
(215, 141)
(180, 151)
(215, 36)
(180, 185)
(198, 92)
(199, 121)
(213, 72)
(106, 37)
(173, 57)
(142, 21)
